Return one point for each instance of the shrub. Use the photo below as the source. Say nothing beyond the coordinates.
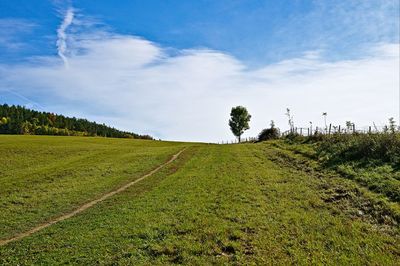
(269, 133)
(316, 137)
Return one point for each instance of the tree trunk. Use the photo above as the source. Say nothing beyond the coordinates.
(239, 138)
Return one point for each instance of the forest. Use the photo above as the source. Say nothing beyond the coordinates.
(20, 120)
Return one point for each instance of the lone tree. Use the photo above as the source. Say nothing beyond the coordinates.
(239, 121)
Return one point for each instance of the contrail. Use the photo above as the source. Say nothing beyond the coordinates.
(24, 98)
(62, 36)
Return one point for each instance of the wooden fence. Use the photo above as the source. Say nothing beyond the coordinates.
(244, 140)
(329, 130)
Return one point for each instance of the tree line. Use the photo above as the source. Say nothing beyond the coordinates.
(17, 119)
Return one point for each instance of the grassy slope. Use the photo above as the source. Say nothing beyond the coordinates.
(42, 177)
(379, 182)
(217, 204)
(377, 175)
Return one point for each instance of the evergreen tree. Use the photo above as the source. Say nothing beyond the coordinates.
(20, 120)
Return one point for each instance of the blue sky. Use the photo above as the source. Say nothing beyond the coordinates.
(216, 54)
(251, 30)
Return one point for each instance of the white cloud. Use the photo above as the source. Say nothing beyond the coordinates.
(136, 85)
(62, 35)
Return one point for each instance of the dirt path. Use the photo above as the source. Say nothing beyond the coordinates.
(89, 204)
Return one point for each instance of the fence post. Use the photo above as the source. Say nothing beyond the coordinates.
(354, 128)
(330, 126)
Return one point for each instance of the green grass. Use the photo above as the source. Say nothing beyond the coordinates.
(42, 176)
(376, 173)
(216, 204)
(372, 160)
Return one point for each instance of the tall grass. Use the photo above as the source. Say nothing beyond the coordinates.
(366, 149)
(372, 160)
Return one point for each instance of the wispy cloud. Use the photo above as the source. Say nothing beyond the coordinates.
(11, 30)
(62, 35)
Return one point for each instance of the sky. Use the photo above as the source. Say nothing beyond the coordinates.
(174, 69)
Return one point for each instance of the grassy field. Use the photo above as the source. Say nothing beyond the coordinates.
(216, 204)
(42, 177)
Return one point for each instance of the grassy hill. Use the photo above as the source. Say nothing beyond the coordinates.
(265, 203)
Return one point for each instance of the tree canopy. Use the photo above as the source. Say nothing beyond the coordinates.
(20, 120)
(239, 121)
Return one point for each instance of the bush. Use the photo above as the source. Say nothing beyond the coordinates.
(316, 137)
(269, 133)
(296, 138)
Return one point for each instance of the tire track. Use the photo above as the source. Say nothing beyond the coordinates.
(88, 204)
